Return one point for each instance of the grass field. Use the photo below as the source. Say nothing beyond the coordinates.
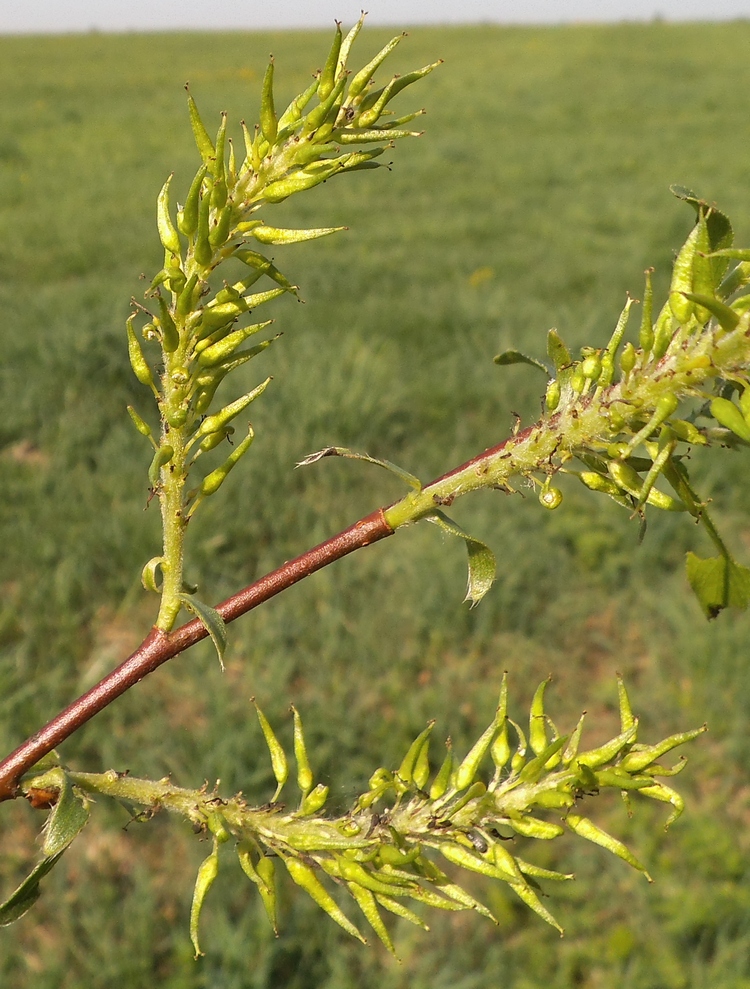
(536, 197)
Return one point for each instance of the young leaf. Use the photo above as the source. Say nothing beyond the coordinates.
(516, 357)
(482, 563)
(67, 818)
(212, 622)
(718, 583)
(340, 451)
(24, 898)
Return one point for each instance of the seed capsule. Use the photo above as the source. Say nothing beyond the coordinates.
(143, 428)
(314, 801)
(211, 424)
(728, 415)
(278, 758)
(161, 458)
(213, 481)
(167, 233)
(628, 358)
(137, 361)
(170, 338)
(552, 395)
(268, 122)
(305, 877)
(187, 217)
(204, 142)
(646, 333)
(207, 873)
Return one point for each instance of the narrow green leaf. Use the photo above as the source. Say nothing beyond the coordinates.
(212, 622)
(341, 451)
(482, 563)
(67, 818)
(516, 357)
(23, 898)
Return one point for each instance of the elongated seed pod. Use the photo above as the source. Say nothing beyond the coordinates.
(203, 141)
(185, 298)
(137, 361)
(213, 481)
(635, 762)
(728, 415)
(202, 252)
(187, 217)
(170, 338)
(361, 79)
(219, 352)
(268, 122)
(207, 873)
(304, 876)
(276, 235)
(532, 827)
(394, 87)
(682, 279)
(143, 428)
(646, 332)
(278, 758)
(406, 769)
(161, 458)
(330, 69)
(605, 753)
(167, 233)
(219, 233)
(587, 829)
(293, 112)
(443, 776)
(314, 801)
(304, 772)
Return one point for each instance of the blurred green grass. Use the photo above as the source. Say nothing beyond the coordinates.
(536, 197)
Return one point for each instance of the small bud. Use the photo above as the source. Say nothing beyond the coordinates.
(167, 233)
(628, 358)
(552, 395)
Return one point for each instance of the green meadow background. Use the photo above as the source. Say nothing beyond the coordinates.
(536, 198)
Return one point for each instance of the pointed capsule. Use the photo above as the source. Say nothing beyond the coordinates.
(304, 876)
(212, 424)
(664, 793)
(213, 481)
(470, 765)
(161, 458)
(626, 713)
(727, 414)
(330, 69)
(368, 905)
(409, 762)
(628, 358)
(219, 233)
(529, 897)
(552, 395)
(532, 827)
(202, 251)
(170, 337)
(664, 329)
(167, 234)
(268, 122)
(537, 723)
(314, 801)
(362, 78)
(607, 752)
(348, 41)
(638, 760)
(682, 279)
(585, 828)
(557, 352)
(137, 361)
(294, 111)
(187, 217)
(466, 859)
(203, 141)
(278, 758)
(646, 332)
(186, 298)
(207, 873)
(264, 876)
(304, 772)
(401, 911)
(143, 428)
(276, 235)
(442, 779)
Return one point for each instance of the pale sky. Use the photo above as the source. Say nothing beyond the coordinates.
(149, 15)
